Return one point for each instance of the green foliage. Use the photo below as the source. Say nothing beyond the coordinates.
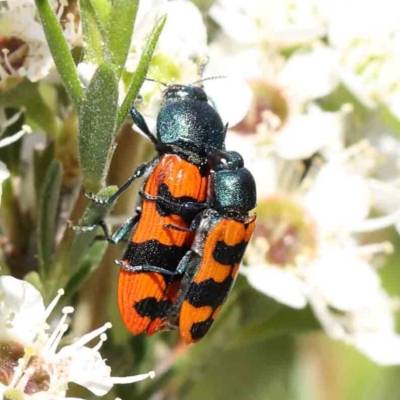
(251, 351)
(140, 74)
(48, 207)
(60, 51)
(98, 112)
(107, 31)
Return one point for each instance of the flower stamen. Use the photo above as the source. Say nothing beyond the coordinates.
(7, 61)
(103, 338)
(375, 248)
(26, 129)
(86, 339)
(132, 379)
(375, 224)
(53, 304)
(57, 334)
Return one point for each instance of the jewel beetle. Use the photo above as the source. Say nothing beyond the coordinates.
(188, 129)
(223, 231)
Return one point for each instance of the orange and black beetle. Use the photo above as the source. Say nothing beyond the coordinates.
(188, 129)
(223, 231)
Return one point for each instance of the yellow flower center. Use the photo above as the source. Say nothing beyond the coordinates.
(289, 231)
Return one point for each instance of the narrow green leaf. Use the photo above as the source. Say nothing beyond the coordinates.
(42, 158)
(102, 9)
(92, 32)
(39, 111)
(119, 30)
(141, 71)
(390, 119)
(16, 96)
(60, 51)
(97, 127)
(27, 94)
(49, 199)
(88, 265)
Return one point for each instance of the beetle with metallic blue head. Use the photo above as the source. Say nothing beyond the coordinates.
(187, 121)
(223, 231)
(188, 129)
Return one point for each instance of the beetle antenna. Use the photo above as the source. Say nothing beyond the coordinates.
(203, 66)
(155, 80)
(210, 78)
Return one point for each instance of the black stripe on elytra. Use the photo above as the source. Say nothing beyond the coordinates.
(154, 253)
(152, 308)
(199, 329)
(229, 255)
(166, 210)
(209, 293)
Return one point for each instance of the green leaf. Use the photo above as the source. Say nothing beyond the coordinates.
(34, 279)
(42, 158)
(141, 70)
(60, 51)
(27, 94)
(49, 201)
(102, 9)
(93, 33)
(88, 265)
(119, 30)
(97, 127)
(390, 119)
(38, 110)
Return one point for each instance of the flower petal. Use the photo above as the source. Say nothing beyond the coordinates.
(309, 75)
(346, 282)
(88, 369)
(281, 285)
(338, 200)
(23, 310)
(384, 349)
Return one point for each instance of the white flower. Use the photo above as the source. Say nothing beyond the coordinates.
(371, 329)
(362, 19)
(303, 134)
(24, 50)
(370, 69)
(305, 249)
(37, 369)
(231, 97)
(310, 74)
(281, 23)
(181, 49)
(283, 108)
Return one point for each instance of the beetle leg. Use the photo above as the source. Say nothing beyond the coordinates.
(141, 123)
(180, 207)
(140, 171)
(145, 268)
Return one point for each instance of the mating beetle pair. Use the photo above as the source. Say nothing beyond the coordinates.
(194, 225)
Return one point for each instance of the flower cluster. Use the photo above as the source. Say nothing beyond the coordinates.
(23, 48)
(307, 85)
(32, 365)
(319, 180)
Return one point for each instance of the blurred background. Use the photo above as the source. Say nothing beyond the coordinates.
(311, 92)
